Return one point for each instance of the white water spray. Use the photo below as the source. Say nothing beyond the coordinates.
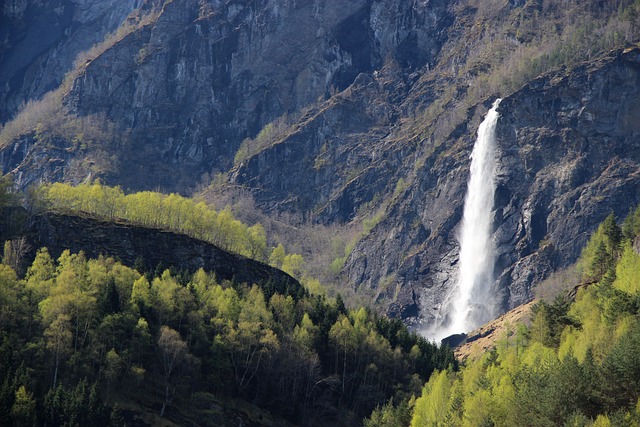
(472, 303)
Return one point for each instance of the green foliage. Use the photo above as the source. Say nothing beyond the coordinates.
(79, 405)
(401, 186)
(14, 252)
(292, 264)
(23, 411)
(276, 259)
(599, 256)
(627, 277)
(436, 405)
(550, 320)
(270, 134)
(390, 415)
(77, 333)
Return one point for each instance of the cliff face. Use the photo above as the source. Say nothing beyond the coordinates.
(574, 139)
(39, 40)
(568, 155)
(325, 150)
(193, 83)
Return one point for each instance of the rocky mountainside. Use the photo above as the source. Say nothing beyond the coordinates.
(39, 41)
(375, 106)
(568, 155)
(195, 80)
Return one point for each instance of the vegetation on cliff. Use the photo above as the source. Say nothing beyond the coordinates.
(174, 213)
(94, 342)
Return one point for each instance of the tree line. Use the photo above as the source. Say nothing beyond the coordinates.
(170, 212)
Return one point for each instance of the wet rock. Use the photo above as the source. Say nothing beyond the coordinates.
(456, 340)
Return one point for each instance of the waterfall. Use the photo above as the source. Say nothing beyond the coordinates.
(471, 303)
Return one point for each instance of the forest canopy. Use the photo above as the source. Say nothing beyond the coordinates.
(87, 341)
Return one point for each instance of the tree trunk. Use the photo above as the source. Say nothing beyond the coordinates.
(55, 371)
(166, 401)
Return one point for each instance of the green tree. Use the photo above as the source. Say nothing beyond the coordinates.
(252, 339)
(292, 265)
(613, 234)
(14, 252)
(112, 366)
(58, 340)
(257, 242)
(631, 225)
(306, 333)
(344, 339)
(276, 259)
(390, 415)
(9, 302)
(23, 411)
(172, 350)
(41, 273)
(627, 277)
(433, 407)
(175, 358)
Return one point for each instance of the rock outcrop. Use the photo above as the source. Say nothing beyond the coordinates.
(149, 248)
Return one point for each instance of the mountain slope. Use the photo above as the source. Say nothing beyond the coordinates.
(568, 156)
(383, 99)
(197, 78)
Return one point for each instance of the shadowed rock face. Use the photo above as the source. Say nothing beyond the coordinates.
(39, 40)
(134, 245)
(198, 80)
